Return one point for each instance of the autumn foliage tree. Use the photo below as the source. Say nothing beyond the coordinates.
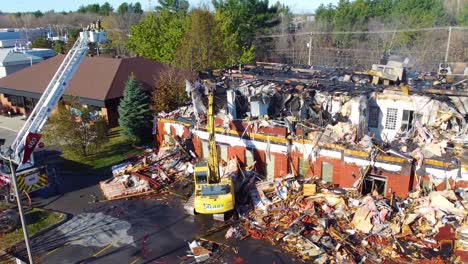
(169, 92)
(78, 129)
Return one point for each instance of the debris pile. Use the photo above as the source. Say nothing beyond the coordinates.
(200, 253)
(149, 173)
(124, 185)
(208, 251)
(433, 120)
(323, 224)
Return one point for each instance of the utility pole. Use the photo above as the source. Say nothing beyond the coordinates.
(448, 44)
(21, 212)
(310, 48)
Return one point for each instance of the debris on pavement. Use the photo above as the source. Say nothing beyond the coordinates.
(200, 253)
(208, 251)
(148, 173)
(328, 224)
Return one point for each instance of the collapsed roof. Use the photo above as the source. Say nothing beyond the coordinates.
(342, 105)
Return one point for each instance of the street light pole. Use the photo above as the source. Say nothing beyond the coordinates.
(310, 47)
(448, 44)
(20, 209)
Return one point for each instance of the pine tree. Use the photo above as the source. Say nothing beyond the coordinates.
(134, 112)
(174, 6)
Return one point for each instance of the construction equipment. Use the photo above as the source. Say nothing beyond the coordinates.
(20, 152)
(213, 194)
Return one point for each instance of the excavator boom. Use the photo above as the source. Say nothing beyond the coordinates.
(213, 164)
(213, 194)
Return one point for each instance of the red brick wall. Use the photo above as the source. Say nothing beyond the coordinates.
(197, 145)
(342, 172)
(238, 152)
(281, 165)
(343, 176)
(6, 104)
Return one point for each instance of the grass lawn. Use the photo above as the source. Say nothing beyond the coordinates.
(117, 149)
(37, 219)
(4, 206)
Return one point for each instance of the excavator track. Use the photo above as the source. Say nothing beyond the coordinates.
(190, 210)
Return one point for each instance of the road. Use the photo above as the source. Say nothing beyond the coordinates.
(9, 127)
(126, 231)
(131, 231)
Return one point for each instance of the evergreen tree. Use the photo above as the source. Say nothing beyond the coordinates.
(41, 43)
(174, 6)
(59, 47)
(123, 8)
(106, 9)
(137, 8)
(134, 112)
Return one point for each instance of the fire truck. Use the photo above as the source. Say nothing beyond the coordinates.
(31, 177)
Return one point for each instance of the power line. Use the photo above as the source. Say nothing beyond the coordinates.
(360, 32)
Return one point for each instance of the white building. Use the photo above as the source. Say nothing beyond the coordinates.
(11, 62)
(8, 38)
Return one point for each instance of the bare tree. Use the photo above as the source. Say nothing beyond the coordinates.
(118, 30)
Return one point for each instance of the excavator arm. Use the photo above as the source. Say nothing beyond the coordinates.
(213, 166)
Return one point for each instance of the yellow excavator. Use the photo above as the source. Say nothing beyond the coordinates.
(213, 194)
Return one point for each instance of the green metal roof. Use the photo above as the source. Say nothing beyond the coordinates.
(8, 57)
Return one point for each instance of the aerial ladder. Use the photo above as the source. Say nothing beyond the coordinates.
(20, 151)
(213, 194)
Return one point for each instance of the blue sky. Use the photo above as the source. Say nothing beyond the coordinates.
(299, 6)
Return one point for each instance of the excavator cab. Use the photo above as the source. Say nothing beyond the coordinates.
(212, 198)
(201, 173)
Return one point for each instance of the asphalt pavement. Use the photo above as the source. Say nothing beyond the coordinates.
(124, 231)
(131, 231)
(9, 127)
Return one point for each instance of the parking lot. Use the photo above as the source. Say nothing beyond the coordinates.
(9, 127)
(134, 231)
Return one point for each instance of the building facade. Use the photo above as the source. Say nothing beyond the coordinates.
(276, 156)
(98, 83)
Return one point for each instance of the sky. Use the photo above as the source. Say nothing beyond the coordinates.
(298, 6)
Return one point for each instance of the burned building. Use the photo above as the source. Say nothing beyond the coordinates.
(333, 125)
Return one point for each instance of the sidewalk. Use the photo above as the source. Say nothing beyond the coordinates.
(13, 124)
(9, 127)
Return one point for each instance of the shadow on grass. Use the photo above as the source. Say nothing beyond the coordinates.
(36, 216)
(74, 173)
(64, 176)
(114, 133)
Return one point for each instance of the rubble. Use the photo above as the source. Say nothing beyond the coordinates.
(341, 110)
(318, 108)
(144, 175)
(287, 128)
(200, 253)
(208, 251)
(319, 223)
